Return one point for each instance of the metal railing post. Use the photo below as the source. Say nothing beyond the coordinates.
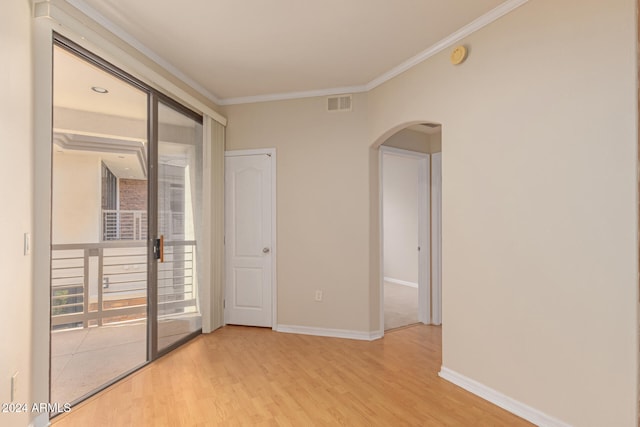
(85, 288)
(100, 280)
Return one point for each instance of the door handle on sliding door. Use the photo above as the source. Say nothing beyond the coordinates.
(158, 249)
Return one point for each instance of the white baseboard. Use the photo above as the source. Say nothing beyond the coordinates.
(505, 402)
(334, 333)
(400, 282)
(42, 420)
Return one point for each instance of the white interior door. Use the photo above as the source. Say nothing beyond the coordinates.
(249, 238)
(400, 207)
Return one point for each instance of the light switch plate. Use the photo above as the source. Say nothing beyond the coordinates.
(14, 386)
(27, 243)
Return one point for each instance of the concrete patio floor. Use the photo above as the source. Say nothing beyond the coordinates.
(83, 360)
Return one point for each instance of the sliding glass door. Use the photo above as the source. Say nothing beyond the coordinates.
(99, 227)
(126, 215)
(179, 223)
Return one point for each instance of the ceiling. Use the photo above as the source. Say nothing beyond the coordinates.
(73, 79)
(231, 49)
(115, 127)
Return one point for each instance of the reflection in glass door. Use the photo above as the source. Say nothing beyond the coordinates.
(99, 227)
(179, 223)
(126, 210)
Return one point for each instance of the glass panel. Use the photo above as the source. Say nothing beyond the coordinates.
(99, 228)
(179, 222)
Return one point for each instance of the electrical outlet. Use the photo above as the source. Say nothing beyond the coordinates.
(14, 386)
(318, 295)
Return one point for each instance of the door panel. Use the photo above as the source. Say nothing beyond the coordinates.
(98, 246)
(247, 287)
(248, 193)
(247, 188)
(179, 189)
(127, 167)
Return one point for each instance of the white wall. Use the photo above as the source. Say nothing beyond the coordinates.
(400, 217)
(411, 140)
(16, 141)
(539, 199)
(322, 206)
(539, 205)
(76, 197)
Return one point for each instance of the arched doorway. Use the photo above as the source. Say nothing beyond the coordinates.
(409, 191)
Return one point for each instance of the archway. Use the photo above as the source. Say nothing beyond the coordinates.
(405, 209)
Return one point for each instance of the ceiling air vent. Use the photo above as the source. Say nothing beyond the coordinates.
(339, 103)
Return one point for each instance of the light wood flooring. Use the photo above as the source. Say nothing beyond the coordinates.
(254, 376)
(400, 305)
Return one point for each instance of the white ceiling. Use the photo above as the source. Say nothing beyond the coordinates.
(115, 128)
(232, 49)
(73, 79)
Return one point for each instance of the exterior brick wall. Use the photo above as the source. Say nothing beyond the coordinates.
(133, 194)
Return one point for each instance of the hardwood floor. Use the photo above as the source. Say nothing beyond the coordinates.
(253, 376)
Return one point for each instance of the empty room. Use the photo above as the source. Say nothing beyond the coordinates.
(200, 227)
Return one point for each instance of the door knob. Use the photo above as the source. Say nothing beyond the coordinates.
(266, 250)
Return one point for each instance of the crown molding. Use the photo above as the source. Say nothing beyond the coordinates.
(448, 41)
(99, 144)
(293, 95)
(125, 36)
(477, 24)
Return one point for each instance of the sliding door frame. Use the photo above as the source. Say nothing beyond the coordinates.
(154, 98)
(62, 19)
(152, 229)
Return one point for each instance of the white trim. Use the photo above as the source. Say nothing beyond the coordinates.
(424, 239)
(505, 402)
(333, 333)
(401, 282)
(436, 238)
(42, 420)
(122, 34)
(70, 21)
(235, 153)
(271, 152)
(294, 95)
(439, 46)
(274, 249)
(403, 153)
(446, 42)
(381, 239)
(41, 244)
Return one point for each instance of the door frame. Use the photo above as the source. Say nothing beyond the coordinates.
(44, 178)
(436, 238)
(271, 152)
(424, 228)
(47, 22)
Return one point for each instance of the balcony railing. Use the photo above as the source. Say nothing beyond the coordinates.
(124, 225)
(132, 224)
(102, 283)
